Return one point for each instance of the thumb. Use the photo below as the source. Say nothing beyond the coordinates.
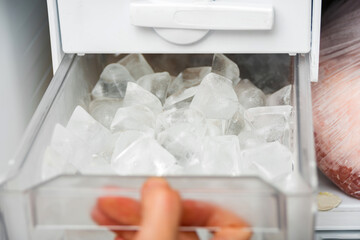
(161, 211)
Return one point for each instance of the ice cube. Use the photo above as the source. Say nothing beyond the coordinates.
(156, 83)
(137, 117)
(271, 122)
(176, 85)
(98, 142)
(136, 95)
(193, 76)
(249, 139)
(249, 95)
(71, 148)
(237, 123)
(225, 67)
(104, 110)
(172, 117)
(270, 160)
(145, 157)
(280, 97)
(84, 126)
(181, 98)
(215, 127)
(125, 139)
(184, 142)
(74, 150)
(193, 170)
(216, 97)
(99, 165)
(221, 155)
(137, 65)
(190, 77)
(179, 105)
(112, 83)
(54, 164)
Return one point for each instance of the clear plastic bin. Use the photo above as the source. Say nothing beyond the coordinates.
(59, 208)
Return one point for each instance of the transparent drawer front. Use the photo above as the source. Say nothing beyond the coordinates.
(61, 207)
(67, 202)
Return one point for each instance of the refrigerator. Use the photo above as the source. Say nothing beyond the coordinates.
(87, 35)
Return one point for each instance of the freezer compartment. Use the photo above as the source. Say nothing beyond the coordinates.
(60, 208)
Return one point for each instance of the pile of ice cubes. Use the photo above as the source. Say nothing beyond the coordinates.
(205, 121)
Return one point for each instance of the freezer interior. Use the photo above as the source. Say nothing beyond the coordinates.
(60, 207)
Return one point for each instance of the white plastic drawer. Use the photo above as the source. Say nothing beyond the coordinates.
(243, 26)
(36, 207)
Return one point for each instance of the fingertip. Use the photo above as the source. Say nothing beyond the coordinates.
(159, 188)
(99, 217)
(155, 182)
(161, 210)
(162, 197)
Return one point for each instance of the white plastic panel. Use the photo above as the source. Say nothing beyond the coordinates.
(25, 64)
(104, 26)
(315, 40)
(56, 49)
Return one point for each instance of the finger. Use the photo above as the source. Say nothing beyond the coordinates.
(224, 218)
(188, 236)
(103, 220)
(124, 235)
(232, 234)
(123, 238)
(197, 213)
(232, 227)
(161, 209)
(124, 211)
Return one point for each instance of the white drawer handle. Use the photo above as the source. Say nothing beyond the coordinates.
(210, 15)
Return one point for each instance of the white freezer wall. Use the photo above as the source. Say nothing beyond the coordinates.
(26, 70)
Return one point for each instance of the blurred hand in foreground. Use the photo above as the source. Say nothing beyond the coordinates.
(162, 211)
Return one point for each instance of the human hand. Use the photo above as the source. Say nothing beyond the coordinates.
(162, 211)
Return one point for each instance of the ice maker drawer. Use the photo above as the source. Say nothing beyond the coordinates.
(60, 208)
